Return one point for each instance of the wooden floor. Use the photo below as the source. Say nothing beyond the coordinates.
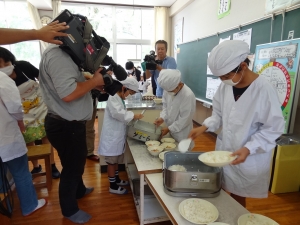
(109, 209)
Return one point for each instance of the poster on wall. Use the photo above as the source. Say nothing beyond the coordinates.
(277, 5)
(224, 39)
(208, 71)
(224, 8)
(278, 62)
(244, 35)
(178, 33)
(212, 85)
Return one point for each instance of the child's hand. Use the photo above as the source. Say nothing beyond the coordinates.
(21, 126)
(138, 116)
(242, 154)
(164, 131)
(158, 121)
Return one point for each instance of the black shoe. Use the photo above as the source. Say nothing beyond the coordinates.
(55, 172)
(36, 169)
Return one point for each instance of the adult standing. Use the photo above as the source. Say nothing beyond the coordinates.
(248, 109)
(67, 96)
(168, 62)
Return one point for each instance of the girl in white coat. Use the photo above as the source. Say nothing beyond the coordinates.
(12, 145)
(179, 105)
(248, 109)
(114, 131)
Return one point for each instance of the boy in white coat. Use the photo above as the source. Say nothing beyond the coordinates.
(179, 105)
(248, 109)
(114, 131)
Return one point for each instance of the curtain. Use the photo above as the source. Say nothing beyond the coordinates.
(35, 18)
(162, 26)
(56, 8)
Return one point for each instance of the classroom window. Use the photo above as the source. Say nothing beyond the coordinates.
(130, 26)
(15, 15)
(99, 16)
(129, 30)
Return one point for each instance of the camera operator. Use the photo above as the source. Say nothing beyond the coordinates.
(66, 94)
(168, 62)
(133, 71)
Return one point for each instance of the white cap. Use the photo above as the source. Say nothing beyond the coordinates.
(131, 83)
(169, 79)
(227, 56)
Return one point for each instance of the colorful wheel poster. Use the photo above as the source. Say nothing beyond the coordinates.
(278, 62)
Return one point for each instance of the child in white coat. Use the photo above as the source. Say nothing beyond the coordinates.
(113, 134)
(143, 84)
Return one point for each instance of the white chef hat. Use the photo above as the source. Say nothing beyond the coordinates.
(131, 83)
(227, 56)
(169, 79)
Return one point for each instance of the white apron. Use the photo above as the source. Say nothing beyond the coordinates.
(35, 110)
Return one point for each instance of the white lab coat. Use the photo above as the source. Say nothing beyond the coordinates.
(143, 86)
(178, 112)
(254, 121)
(114, 129)
(12, 144)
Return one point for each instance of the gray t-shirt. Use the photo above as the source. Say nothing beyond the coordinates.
(58, 78)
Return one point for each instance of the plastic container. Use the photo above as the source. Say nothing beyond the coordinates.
(285, 176)
(143, 131)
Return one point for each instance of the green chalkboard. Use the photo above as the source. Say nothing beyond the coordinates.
(192, 59)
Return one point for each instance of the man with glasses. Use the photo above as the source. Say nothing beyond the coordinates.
(168, 62)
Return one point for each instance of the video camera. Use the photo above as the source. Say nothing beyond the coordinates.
(151, 62)
(88, 50)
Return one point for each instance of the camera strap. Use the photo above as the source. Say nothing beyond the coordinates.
(88, 28)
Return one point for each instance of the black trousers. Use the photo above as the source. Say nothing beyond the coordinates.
(68, 138)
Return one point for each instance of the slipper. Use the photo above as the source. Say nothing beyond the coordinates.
(93, 158)
(41, 203)
(123, 183)
(120, 191)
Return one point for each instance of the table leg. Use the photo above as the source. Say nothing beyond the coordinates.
(141, 199)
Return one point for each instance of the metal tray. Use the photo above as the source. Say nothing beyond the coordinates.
(198, 179)
(143, 131)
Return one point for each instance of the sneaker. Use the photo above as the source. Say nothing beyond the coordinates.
(41, 203)
(36, 169)
(123, 183)
(119, 191)
(55, 172)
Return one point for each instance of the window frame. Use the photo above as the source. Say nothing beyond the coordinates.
(114, 41)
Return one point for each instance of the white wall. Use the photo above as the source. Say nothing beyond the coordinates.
(200, 20)
(200, 17)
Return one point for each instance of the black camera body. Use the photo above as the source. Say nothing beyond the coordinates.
(88, 50)
(151, 62)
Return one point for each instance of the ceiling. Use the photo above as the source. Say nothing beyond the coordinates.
(166, 3)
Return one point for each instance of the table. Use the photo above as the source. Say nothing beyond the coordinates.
(149, 210)
(149, 169)
(229, 209)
